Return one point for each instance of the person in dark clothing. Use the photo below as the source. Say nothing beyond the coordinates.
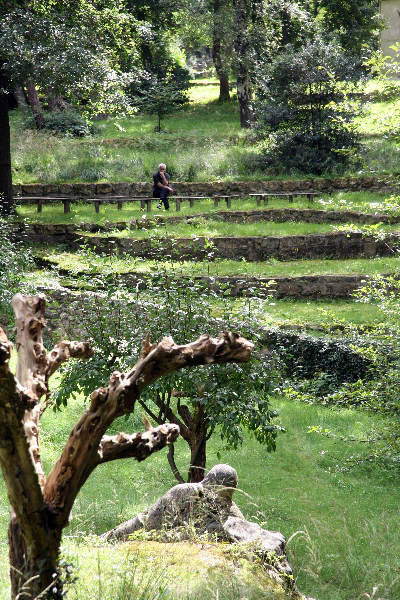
(161, 187)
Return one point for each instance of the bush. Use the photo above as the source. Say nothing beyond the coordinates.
(15, 262)
(310, 152)
(305, 357)
(303, 110)
(66, 122)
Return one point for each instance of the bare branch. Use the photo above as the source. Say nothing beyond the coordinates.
(31, 364)
(137, 445)
(172, 464)
(34, 366)
(22, 480)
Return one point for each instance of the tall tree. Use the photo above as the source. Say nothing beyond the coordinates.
(222, 43)
(41, 504)
(242, 48)
(72, 53)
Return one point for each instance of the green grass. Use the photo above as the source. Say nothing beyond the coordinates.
(350, 538)
(365, 202)
(202, 142)
(208, 228)
(76, 262)
(289, 312)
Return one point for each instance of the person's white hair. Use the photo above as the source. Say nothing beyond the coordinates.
(162, 165)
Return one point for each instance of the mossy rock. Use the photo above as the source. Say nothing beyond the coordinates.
(154, 570)
(198, 570)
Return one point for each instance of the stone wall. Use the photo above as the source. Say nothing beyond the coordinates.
(307, 215)
(307, 286)
(279, 215)
(330, 245)
(85, 190)
(314, 246)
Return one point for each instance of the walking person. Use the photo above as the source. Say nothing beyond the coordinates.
(161, 187)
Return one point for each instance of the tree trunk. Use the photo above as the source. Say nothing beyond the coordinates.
(220, 68)
(198, 441)
(223, 87)
(21, 98)
(41, 506)
(242, 61)
(31, 575)
(198, 460)
(34, 103)
(6, 196)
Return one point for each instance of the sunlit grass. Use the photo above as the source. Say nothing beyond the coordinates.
(79, 262)
(201, 143)
(209, 228)
(291, 490)
(365, 202)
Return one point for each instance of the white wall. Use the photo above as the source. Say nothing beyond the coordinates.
(390, 10)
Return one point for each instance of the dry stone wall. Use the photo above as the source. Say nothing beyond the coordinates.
(314, 246)
(307, 286)
(331, 245)
(207, 188)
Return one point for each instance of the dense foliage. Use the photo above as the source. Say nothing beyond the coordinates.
(15, 262)
(304, 111)
(377, 389)
(236, 398)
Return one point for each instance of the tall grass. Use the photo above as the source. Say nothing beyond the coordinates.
(203, 142)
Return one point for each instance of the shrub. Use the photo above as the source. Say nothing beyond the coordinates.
(303, 110)
(66, 122)
(15, 262)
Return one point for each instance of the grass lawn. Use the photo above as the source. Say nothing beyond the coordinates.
(201, 227)
(92, 263)
(203, 142)
(340, 518)
(365, 202)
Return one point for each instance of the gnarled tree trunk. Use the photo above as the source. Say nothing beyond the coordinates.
(41, 505)
(30, 571)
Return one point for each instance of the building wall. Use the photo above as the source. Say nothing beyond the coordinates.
(390, 10)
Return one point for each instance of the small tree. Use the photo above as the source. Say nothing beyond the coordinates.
(304, 112)
(234, 400)
(163, 94)
(40, 504)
